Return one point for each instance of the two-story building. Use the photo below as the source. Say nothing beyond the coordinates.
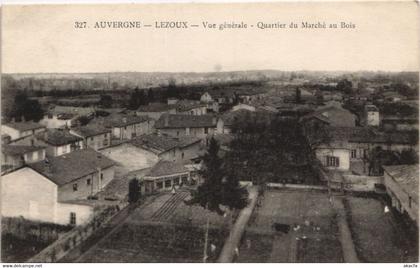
(94, 136)
(22, 129)
(62, 180)
(200, 126)
(127, 127)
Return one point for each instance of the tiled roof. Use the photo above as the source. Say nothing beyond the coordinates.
(407, 176)
(164, 168)
(184, 105)
(58, 137)
(159, 144)
(17, 150)
(156, 107)
(185, 120)
(118, 120)
(24, 126)
(90, 130)
(66, 168)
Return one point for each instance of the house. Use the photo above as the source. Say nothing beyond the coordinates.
(56, 141)
(15, 156)
(177, 125)
(247, 96)
(348, 148)
(219, 96)
(34, 196)
(402, 185)
(125, 126)
(164, 176)
(60, 116)
(94, 136)
(211, 103)
(22, 129)
(372, 115)
(191, 107)
(155, 110)
(176, 149)
(332, 115)
(78, 175)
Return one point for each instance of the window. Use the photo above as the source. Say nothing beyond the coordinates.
(105, 135)
(333, 161)
(75, 187)
(159, 185)
(105, 142)
(72, 218)
(410, 200)
(176, 181)
(102, 176)
(91, 138)
(353, 153)
(88, 181)
(182, 155)
(177, 133)
(168, 183)
(29, 156)
(206, 130)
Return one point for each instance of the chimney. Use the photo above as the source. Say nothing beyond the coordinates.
(32, 142)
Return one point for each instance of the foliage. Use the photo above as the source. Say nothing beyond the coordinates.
(220, 187)
(298, 97)
(105, 101)
(83, 120)
(137, 98)
(25, 108)
(133, 190)
(345, 86)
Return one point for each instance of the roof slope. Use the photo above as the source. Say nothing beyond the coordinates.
(163, 168)
(90, 130)
(156, 107)
(66, 168)
(407, 176)
(58, 137)
(17, 150)
(185, 120)
(24, 126)
(162, 143)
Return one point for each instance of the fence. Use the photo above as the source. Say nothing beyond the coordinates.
(68, 241)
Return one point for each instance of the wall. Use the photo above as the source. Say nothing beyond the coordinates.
(195, 132)
(400, 198)
(29, 194)
(362, 183)
(155, 115)
(83, 213)
(66, 192)
(13, 133)
(54, 122)
(97, 142)
(35, 156)
(342, 154)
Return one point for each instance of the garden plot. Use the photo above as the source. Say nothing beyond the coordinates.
(162, 230)
(377, 236)
(292, 226)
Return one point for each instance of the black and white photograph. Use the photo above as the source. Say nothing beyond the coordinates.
(276, 132)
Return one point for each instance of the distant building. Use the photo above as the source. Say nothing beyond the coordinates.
(402, 185)
(18, 130)
(247, 96)
(177, 149)
(164, 176)
(191, 107)
(126, 127)
(15, 156)
(155, 110)
(94, 136)
(56, 141)
(61, 116)
(332, 115)
(29, 194)
(226, 120)
(200, 126)
(372, 115)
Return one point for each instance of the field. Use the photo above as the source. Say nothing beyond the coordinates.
(377, 235)
(312, 236)
(162, 230)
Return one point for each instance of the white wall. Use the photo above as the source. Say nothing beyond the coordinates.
(83, 213)
(342, 154)
(13, 133)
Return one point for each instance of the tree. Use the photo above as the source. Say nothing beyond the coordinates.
(105, 101)
(26, 108)
(150, 95)
(345, 86)
(133, 191)
(298, 96)
(83, 120)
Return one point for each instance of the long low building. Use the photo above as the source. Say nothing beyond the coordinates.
(402, 185)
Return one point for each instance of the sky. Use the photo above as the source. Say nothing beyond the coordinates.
(41, 38)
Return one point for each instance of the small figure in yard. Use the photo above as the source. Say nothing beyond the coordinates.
(212, 248)
(386, 209)
(173, 190)
(237, 252)
(248, 243)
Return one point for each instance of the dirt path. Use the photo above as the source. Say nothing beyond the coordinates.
(228, 251)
